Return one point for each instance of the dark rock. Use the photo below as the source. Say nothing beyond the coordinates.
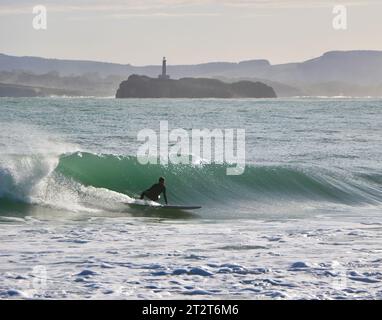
(144, 87)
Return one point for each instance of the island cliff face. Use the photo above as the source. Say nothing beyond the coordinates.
(144, 87)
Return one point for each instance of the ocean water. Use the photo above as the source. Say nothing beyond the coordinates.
(302, 222)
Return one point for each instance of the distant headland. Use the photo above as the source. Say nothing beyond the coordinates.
(137, 86)
(355, 73)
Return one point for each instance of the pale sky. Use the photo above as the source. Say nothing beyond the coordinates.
(141, 32)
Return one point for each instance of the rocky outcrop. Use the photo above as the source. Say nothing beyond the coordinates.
(144, 87)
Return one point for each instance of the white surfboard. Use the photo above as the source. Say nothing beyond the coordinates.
(167, 207)
(181, 207)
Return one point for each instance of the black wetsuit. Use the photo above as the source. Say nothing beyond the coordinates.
(154, 192)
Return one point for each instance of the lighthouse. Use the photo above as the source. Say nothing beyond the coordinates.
(164, 70)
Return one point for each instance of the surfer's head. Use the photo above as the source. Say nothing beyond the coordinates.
(161, 180)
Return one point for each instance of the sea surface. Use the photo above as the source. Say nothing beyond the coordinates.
(304, 220)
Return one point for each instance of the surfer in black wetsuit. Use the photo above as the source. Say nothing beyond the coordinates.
(155, 190)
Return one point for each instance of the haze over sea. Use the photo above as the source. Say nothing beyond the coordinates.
(303, 221)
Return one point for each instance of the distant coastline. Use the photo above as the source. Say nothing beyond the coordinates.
(22, 91)
(336, 73)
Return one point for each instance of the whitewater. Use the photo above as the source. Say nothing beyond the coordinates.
(302, 222)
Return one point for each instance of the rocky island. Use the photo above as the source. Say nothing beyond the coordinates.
(137, 86)
(144, 87)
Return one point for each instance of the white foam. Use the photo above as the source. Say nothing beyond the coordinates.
(29, 157)
(110, 258)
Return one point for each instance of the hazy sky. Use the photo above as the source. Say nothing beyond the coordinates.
(140, 32)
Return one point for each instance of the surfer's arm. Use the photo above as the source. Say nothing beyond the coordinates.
(164, 195)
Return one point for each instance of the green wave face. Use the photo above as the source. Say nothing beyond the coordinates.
(209, 184)
(85, 181)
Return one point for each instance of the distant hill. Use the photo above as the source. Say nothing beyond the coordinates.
(88, 84)
(356, 67)
(333, 73)
(144, 87)
(63, 67)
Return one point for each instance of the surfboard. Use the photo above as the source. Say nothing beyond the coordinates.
(181, 207)
(167, 207)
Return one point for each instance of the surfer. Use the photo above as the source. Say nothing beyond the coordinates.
(155, 190)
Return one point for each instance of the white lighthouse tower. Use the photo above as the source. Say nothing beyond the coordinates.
(164, 70)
